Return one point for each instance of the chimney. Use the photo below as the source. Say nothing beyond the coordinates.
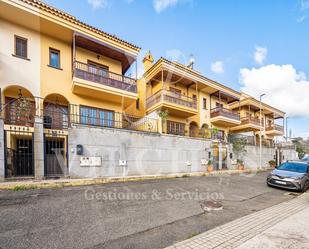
(148, 61)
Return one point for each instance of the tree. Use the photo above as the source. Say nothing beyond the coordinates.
(163, 114)
(239, 148)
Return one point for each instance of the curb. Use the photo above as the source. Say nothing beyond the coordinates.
(60, 183)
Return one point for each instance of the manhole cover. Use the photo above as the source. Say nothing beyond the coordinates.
(209, 206)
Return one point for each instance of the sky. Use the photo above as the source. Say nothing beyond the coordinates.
(256, 46)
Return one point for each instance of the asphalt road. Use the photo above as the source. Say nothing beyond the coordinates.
(147, 214)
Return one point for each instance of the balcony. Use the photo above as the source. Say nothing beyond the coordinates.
(176, 104)
(274, 130)
(224, 117)
(97, 82)
(248, 124)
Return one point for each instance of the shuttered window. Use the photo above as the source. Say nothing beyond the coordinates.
(21, 47)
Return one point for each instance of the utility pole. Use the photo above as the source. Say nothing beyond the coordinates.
(286, 128)
(261, 96)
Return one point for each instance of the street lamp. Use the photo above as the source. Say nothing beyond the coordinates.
(261, 96)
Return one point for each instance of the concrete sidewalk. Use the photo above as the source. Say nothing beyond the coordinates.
(282, 226)
(67, 182)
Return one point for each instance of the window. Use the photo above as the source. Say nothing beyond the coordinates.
(97, 68)
(175, 128)
(98, 117)
(194, 98)
(219, 105)
(21, 47)
(137, 104)
(204, 103)
(54, 58)
(175, 91)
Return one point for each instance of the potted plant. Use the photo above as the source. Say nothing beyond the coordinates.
(240, 164)
(272, 163)
(210, 167)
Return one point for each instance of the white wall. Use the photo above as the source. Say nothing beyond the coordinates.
(146, 154)
(16, 71)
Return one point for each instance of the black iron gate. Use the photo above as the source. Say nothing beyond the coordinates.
(19, 152)
(55, 154)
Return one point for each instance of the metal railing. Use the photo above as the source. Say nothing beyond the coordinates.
(19, 111)
(99, 75)
(251, 120)
(102, 118)
(171, 97)
(275, 127)
(196, 132)
(220, 111)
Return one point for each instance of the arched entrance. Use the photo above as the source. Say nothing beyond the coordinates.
(56, 122)
(18, 111)
(19, 107)
(193, 129)
(56, 112)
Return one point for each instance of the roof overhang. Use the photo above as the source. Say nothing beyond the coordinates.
(99, 47)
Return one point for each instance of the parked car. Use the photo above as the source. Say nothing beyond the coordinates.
(292, 175)
(305, 158)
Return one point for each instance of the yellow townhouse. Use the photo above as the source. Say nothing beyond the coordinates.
(60, 71)
(257, 116)
(192, 103)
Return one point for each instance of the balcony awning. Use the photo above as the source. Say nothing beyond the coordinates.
(225, 96)
(105, 49)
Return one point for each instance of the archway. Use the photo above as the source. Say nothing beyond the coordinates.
(194, 129)
(19, 106)
(56, 112)
(56, 121)
(19, 109)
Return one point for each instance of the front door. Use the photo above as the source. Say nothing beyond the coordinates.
(55, 155)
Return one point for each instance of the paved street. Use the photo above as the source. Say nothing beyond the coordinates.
(146, 214)
(281, 226)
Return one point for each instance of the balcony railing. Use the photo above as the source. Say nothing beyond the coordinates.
(104, 77)
(251, 120)
(171, 97)
(220, 111)
(275, 127)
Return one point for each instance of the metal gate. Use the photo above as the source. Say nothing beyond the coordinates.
(55, 154)
(19, 152)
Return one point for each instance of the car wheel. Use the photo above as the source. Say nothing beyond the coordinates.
(305, 187)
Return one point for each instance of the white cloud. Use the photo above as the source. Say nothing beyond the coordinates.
(217, 67)
(304, 4)
(301, 19)
(260, 54)
(285, 88)
(98, 4)
(161, 5)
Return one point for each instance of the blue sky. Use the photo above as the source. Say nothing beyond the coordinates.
(260, 46)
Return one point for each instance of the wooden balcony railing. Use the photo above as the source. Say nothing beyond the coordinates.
(251, 120)
(275, 127)
(220, 111)
(104, 77)
(171, 97)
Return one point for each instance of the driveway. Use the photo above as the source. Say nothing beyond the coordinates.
(145, 214)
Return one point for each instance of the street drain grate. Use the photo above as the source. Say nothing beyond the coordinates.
(209, 206)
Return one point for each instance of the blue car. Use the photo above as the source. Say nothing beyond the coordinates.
(292, 175)
(305, 159)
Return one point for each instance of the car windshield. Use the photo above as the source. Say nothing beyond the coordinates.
(306, 158)
(295, 167)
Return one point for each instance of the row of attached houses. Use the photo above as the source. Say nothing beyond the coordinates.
(57, 72)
